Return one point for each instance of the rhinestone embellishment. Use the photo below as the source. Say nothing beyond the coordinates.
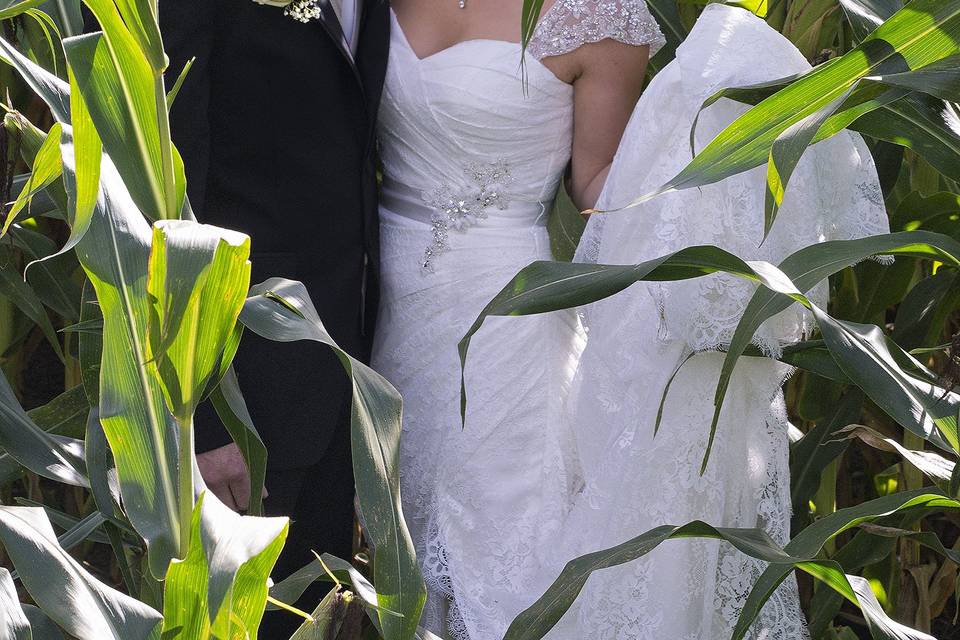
(460, 209)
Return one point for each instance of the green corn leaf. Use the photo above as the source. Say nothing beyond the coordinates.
(220, 588)
(141, 22)
(551, 286)
(879, 623)
(50, 202)
(88, 150)
(12, 8)
(141, 430)
(818, 448)
(281, 310)
(56, 94)
(65, 415)
(46, 168)
(536, 621)
(929, 126)
(90, 347)
(14, 288)
(197, 280)
(330, 569)
(868, 358)
(811, 540)
(929, 213)
(42, 627)
(863, 550)
(940, 79)
(62, 416)
(921, 33)
(811, 356)
(922, 314)
(14, 624)
(547, 286)
(116, 83)
(50, 276)
(811, 265)
(55, 457)
(175, 89)
(325, 620)
(865, 16)
(785, 154)
(51, 89)
(106, 496)
(228, 401)
(67, 15)
(75, 600)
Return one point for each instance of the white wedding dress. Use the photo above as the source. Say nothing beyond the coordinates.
(558, 456)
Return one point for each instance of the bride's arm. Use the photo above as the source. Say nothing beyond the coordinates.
(609, 78)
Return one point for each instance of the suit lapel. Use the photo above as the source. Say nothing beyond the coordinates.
(328, 18)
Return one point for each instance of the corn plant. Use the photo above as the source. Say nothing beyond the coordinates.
(156, 304)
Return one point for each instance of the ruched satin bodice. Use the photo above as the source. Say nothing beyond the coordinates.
(466, 109)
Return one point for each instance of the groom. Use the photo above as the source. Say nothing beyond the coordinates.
(275, 123)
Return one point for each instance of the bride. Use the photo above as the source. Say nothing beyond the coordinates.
(558, 457)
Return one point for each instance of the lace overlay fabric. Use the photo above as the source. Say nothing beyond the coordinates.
(834, 194)
(569, 24)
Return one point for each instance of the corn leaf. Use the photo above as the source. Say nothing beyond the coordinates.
(229, 404)
(923, 32)
(929, 126)
(220, 588)
(197, 282)
(940, 79)
(41, 625)
(813, 264)
(933, 465)
(281, 310)
(818, 448)
(14, 624)
(537, 620)
(21, 294)
(12, 8)
(116, 83)
(75, 600)
(865, 16)
(55, 457)
(811, 540)
(46, 168)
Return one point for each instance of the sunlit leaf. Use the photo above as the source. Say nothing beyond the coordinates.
(281, 310)
(83, 606)
(14, 624)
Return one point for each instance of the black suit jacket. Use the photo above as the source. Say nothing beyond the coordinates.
(275, 124)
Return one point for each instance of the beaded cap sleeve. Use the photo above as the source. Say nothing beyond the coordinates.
(570, 24)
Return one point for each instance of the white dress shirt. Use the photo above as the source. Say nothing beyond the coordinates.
(348, 12)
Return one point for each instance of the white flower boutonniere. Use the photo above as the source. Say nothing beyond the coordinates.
(300, 10)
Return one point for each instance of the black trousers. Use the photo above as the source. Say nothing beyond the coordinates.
(319, 501)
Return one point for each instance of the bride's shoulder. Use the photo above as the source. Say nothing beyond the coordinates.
(567, 25)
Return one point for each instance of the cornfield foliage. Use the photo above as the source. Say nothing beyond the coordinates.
(119, 313)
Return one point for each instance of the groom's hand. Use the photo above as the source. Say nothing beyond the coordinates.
(225, 472)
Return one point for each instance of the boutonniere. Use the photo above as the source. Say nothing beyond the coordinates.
(300, 10)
